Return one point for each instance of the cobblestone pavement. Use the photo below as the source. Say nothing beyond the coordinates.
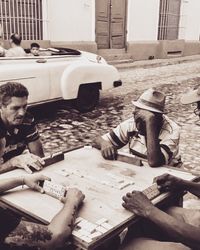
(62, 127)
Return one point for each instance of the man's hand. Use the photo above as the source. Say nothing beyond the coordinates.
(33, 180)
(27, 161)
(137, 203)
(142, 118)
(143, 115)
(108, 151)
(74, 196)
(167, 182)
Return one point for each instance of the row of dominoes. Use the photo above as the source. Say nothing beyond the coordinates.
(54, 189)
(152, 191)
(114, 181)
(88, 231)
(68, 172)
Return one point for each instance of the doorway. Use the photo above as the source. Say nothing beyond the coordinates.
(111, 24)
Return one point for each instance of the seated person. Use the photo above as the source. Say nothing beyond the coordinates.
(35, 49)
(16, 233)
(20, 144)
(149, 133)
(180, 225)
(16, 50)
(2, 51)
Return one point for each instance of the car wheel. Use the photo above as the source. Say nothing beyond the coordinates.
(88, 97)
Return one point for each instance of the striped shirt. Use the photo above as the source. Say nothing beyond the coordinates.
(14, 142)
(127, 133)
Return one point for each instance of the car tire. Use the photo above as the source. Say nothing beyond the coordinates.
(88, 97)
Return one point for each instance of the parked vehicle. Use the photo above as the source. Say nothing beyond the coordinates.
(64, 74)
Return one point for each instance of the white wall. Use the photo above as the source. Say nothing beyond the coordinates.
(142, 22)
(191, 24)
(71, 20)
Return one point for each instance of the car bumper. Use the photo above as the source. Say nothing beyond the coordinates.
(117, 83)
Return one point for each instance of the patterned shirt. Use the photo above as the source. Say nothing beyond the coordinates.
(15, 141)
(127, 133)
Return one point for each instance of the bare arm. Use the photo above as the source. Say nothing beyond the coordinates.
(154, 154)
(10, 183)
(30, 181)
(5, 167)
(56, 233)
(36, 148)
(148, 125)
(178, 230)
(107, 149)
(62, 224)
(167, 182)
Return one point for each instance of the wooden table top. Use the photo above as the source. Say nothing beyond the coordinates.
(100, 180)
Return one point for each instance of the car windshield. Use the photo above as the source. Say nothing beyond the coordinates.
(56, 51)
(64, 51)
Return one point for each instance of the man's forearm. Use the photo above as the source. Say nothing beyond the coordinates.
(154, 153)
(63, 223)
(6, 166)
(10, 183)
(192, 187)
(178, 230)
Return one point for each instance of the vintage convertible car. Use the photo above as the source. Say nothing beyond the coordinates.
(61, 74)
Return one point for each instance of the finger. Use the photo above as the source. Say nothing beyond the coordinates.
(40, 166)
(27, 169)
(45, 178)
(36, 187)
(41, 161)
(124, 205)
(129, 195)
(109, 153)
(125, 198)
(34, 166)
(161, 179)
(83, 196)
(104, 154)
(113, 153)
(38, 159)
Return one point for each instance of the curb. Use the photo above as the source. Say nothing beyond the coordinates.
(155, 62)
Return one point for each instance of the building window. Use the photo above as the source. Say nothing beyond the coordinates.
(23, 17)
(168, 28)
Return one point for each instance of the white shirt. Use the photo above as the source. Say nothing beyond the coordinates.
(127, 133)
(15, 52)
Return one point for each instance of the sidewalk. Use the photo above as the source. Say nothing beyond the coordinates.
(123, 64)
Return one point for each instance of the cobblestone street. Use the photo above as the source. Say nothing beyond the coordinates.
(65, 127)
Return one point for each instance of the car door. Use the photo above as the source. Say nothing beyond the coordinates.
(31, 72)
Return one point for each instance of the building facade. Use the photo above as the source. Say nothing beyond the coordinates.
(138, 29)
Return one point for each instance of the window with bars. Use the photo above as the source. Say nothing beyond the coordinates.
(23, 17)
(168, 28)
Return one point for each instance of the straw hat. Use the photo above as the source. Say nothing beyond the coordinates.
(151, 100)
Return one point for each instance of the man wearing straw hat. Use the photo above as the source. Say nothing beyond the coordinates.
(179, 226)
(149, 133)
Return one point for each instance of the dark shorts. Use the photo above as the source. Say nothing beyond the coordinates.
(8, 222)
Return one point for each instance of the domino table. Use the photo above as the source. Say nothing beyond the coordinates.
(102, 181)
